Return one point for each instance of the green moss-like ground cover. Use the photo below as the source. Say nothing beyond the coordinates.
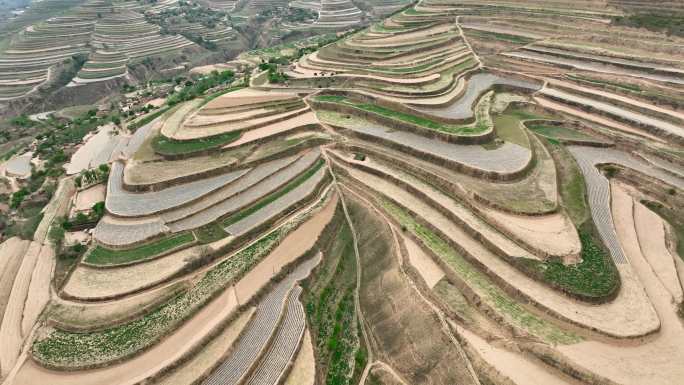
(67, 349)
(479, 127)
(508, 128)
(594, 278)
(558, 132)
(273, 196)
(104, 256)
(167, 146)
(329, 301)
(210, 233)
(490, 293)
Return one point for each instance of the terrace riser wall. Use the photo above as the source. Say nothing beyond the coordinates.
(404, 126)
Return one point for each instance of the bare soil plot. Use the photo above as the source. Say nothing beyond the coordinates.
(650, 229)
(427, 268)
(12, 253)
(303, 370)
(11, 327)
(554, 234)
(274, 129)
(514, 365)
(38, 294)
(86, 199)
(648, 361)
(408, 336)
(98, 149)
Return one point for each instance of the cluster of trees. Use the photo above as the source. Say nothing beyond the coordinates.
(198, 87)
(91, 177)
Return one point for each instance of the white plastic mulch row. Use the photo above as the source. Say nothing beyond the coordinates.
(598, 188)
(247, 195)
(476, 85)
(278, 206)
(284, 345)
(615, 111)
(507, 158)
(119, 233)
(257, 334)
(202, 208)
(98, 149)
(130, 204)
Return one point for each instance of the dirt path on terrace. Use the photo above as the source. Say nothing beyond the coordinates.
(304, 368)
(657, 361)
(290, 249)
(595, 118)
(515, 366)
(38, 294)
(11, 254)
(651, 235)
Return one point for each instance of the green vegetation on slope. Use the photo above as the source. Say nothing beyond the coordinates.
(490, 293)
(330, 310)
(558, 132)
(671, 24)
(508, 125)
(104, 256)
(594, 278)
(167, 146)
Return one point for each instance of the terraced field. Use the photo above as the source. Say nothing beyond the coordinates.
(459, 193)
(98, 38)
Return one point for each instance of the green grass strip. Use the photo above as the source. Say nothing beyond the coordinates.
(479, 127)
(147, 118)
(103, 256)
(210, 233)
(490, 293)
(242, 214)
(167, 146)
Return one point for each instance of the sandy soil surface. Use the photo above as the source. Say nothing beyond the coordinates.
(189, 132)
(629, 315)
(427, 268)
(274, 129)
(303, 370)
(554, 234)
(210, 355)
(85, 199)
(245, 97)
(515, 366)
(19, 166)
(96, 150)
(653, 362)
(38, 294)
(651, 235)
(10, 331)
(289, 250)
(594, 118)
(207, 69)
(11, 255)
(74, 237)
